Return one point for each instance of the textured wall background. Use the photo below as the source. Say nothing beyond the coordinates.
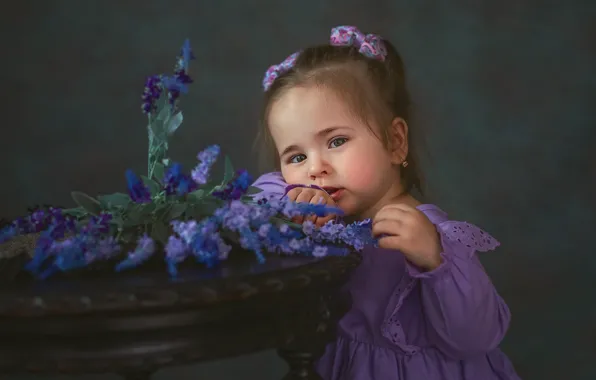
(504, 95)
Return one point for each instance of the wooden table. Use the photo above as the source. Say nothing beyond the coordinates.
(138, 322)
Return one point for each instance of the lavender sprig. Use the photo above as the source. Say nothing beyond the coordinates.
(144, 250)
(165, 121)
(137, 190)
(200, 174)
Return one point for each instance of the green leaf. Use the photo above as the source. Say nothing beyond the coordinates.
(159, 171)
(153, 186)
(116, 199)
(196, 195)
(173, 123)
(141, 213)
(88, 203)
(253, 190)
(148, 208)
(131, 222)
(161, 211)
(77, 212)
(160, 232)
(210, 187)
(204, 209)
(128, 236)
(176, 211)
(117, 221)
(279, 221)
(194, 212)
(228, 171)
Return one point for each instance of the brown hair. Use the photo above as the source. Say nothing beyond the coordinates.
(374, 89)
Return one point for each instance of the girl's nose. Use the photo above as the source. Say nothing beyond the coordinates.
(318, 168)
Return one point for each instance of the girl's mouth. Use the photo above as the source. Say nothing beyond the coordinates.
(334, 192)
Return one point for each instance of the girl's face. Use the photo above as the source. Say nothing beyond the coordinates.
(319, 142)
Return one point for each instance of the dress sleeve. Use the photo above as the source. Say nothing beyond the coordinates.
(272, 185)
(465, 313)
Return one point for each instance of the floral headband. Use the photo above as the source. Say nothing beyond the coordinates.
(369, 45)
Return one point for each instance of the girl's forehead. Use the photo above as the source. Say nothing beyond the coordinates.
(311, 105)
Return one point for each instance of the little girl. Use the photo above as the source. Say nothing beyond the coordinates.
(423, 308)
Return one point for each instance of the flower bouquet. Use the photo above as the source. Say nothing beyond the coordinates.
(174, 213)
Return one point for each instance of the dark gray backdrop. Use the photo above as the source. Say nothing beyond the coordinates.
(504, 94)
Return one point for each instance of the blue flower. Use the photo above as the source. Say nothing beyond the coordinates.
(176, 182)
(236, 188)
(137, 190)
(186, 54)
(174, 84)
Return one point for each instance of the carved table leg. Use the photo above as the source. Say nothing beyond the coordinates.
(137, 375)
(301, 365)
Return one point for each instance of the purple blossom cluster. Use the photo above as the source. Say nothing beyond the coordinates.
(137, 190)
(260, 226)
(71, 244)
(37, 221)
(253, 223)
(236, 188)
(200, 174)
(174, 84)
(180, 79)
(177, 182)
(151, 94)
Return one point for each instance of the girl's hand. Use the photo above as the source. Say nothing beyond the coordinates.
(407, 229)
(314, 196)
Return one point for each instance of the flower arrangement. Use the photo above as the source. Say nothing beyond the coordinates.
(180, 214)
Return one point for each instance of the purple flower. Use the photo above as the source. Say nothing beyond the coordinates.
(178, 83)
(200, 174)
(151, 94)
(186, 230)
(319, 251)
(176, 182)
(98, 224)
(175, 249)
(145, 248)
(105, 249)
(185, 56)
(137, 190)
(206, 242)
(174, 84)
(236, 188)
(7, 233)
(176, 252)
(209, 155)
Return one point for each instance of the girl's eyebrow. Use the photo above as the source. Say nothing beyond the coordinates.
(322, 133)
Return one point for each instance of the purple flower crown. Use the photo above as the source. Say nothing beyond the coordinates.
(185, 215)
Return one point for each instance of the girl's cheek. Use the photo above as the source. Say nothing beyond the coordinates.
(291, 175)
(361, 171)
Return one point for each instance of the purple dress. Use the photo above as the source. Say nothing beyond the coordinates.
(410, 325)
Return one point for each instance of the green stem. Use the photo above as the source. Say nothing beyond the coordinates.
(150, 166)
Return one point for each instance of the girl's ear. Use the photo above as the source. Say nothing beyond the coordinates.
(397, 137)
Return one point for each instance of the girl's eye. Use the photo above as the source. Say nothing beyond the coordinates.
(297, 158)
(335, 143)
